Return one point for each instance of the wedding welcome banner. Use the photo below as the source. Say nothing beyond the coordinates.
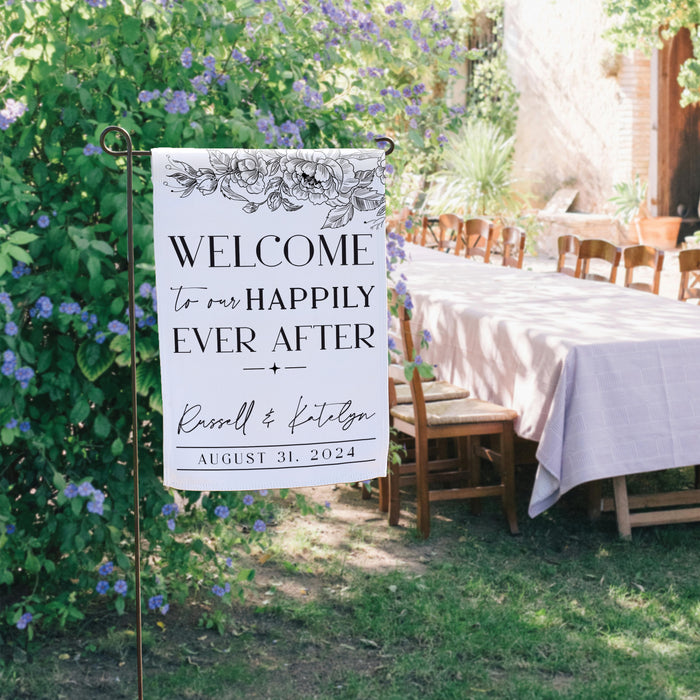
(271, 287)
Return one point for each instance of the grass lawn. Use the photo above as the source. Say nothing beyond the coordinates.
(346, 607)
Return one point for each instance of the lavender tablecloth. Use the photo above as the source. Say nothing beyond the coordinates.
(606, 379)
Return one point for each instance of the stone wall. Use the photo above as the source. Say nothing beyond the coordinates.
(584, 111)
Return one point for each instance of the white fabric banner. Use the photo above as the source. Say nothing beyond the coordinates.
(271, 282)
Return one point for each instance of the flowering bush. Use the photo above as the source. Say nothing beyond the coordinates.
(248, 73)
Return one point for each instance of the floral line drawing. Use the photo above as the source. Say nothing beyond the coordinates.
(288, 179)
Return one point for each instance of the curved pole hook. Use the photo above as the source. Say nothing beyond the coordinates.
(386, 139)
(129, 145)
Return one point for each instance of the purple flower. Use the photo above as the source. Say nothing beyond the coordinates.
(102, 587)
(154, 602)
(259, 526)
(170, 509)
(24, 375)
(163, 608)
(71, 491)
(43, 307)
(11, 328)
(186, 58)
(95, 507)
(229, 562)
(100, 337)
(9, 529)
(10, 113)
(218, 591)
(263, 492)
(6, 302)
(106, 569)
(418, 360)
(120, 586)
(171, 524)
(248, 500)
(21, 269)
(85, 489)
(118, 327)
(221, 511)
(24, 621)
(91, 150)
(427, 337)
(145, 290)
(267, 18)
(25, 426)
(43, 221)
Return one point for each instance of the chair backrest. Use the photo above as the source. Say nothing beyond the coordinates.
(643, 256)
(427, 233)
(477, 239)
(597, 249)
(513, 240)
(567, 245)
(417, 395)
(450, 226)
(689, 263)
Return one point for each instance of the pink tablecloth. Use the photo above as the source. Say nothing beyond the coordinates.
(607, 379)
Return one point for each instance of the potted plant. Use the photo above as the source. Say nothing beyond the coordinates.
(630, 198)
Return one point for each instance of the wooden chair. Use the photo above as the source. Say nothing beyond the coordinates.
(477, 239)
(513, 240)
(689, 263)
(467, 420)
(427, 237)
(568, 245)
(643, 256)
(450, 228)
(597, 249)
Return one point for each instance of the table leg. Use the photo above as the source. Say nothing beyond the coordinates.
(622, 507)
(593, 494)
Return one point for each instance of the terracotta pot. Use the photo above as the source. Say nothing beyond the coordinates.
(660, 231)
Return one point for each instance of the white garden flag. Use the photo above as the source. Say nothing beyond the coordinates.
(270, 274)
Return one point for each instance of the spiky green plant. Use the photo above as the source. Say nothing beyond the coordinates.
(476, 175)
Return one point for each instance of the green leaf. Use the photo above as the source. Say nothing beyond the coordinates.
(32, 564)
(131, 29)
(94, 359)
(102, 426)
(117, 448)
(80, 411)
(119, 604)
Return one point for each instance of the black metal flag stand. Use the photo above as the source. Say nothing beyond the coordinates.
(129, 154)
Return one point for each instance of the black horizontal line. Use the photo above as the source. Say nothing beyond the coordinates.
(257, 469)
(246, 369)
(299, 367)
(284, 444)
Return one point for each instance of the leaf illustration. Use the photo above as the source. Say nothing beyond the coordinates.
(365, 199)
(288, 206)
(339, 217)
(220, 162)
(274, 201)
(229, 192)
(365, 177)
(273, 184)
(251, 208)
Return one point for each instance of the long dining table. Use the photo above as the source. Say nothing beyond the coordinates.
(606, 379)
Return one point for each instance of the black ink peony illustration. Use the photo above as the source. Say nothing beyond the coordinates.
(288, 179)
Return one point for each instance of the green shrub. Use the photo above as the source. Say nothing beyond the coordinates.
(243, 73)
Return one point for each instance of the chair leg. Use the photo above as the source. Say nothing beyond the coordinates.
(422, 488)
(383, 484)
(474, 472)
(394, 506)
(508, 477)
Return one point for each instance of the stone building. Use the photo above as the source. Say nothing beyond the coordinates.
(589, 117)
